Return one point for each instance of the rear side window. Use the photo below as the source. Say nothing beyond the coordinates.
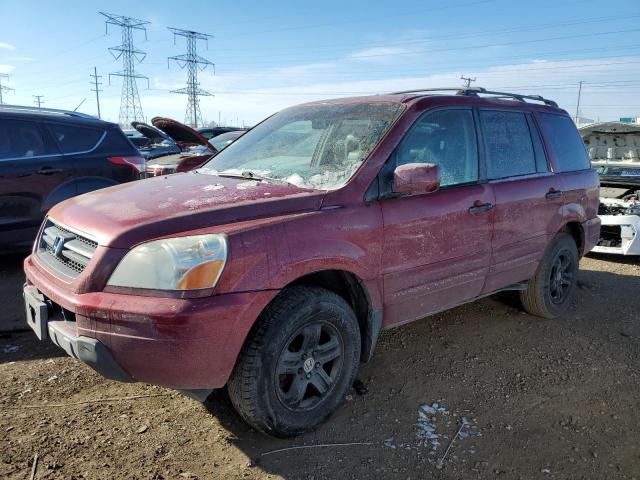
(21, 139)
(508, 144)
(565, 142)
(74, 139)
(446, 138)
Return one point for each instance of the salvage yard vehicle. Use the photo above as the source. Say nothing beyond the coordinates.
(194, 149)
(212, 132)
(156, 143)
(614, 150)
(273, 268)
(47, 156)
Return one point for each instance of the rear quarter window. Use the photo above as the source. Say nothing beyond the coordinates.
(74, 139)
(564, 141)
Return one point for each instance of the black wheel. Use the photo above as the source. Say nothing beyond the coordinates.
(298, 362)
(551, 290)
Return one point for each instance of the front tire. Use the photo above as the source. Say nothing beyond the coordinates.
(298, 362)
(551, 290)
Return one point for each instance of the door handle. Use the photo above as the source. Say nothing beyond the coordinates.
(480, 207)
(48, 171)
(553, 193)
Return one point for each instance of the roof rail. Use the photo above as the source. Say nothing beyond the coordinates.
(474, 91)
(26, 108)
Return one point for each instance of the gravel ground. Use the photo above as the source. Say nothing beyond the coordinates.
(532, 398)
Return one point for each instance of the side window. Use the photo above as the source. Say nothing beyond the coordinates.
(565, 142)
(508, 143)
(446, 138)
(73, 139)
(21, 139)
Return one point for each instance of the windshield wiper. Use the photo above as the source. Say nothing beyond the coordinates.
(249, 175)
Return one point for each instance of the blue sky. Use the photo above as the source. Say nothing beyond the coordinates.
(269, 55)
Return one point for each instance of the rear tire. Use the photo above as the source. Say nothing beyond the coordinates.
(551, 289)
(298, 362)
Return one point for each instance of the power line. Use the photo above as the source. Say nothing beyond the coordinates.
(96, 87)
(193, 63)
(130, 106)
(38, 100)
(4, 88)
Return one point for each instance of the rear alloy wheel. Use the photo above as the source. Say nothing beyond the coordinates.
(551, 290)
(298, 362)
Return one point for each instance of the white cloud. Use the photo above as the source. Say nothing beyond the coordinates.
(7, 46)
(7, 68)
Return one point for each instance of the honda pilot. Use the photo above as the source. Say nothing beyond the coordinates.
(272, 269)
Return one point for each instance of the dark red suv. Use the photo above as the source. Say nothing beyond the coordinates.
(273, 268)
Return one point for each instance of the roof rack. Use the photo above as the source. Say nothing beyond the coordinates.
(26, 108)
(474, 91)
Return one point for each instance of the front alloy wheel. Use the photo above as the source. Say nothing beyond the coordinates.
(309, 366)
(298, 362)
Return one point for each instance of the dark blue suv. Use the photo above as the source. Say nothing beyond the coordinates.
(47, 156)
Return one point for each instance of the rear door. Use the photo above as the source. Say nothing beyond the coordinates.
(32, 171)
(528, 196)
(437, 246)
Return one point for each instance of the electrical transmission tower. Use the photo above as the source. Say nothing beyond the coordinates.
(4, 88)
(130, 107)
(38, 100)
(193, 63)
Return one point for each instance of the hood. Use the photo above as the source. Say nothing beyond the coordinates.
(134, 212)
(614, 149)
(154, 134)
(181, 133)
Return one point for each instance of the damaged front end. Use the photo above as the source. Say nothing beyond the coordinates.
(614, 150)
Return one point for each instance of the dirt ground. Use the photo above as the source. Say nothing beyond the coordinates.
(539, 398)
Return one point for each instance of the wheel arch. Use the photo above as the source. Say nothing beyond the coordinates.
(356, 293)
(576, 231)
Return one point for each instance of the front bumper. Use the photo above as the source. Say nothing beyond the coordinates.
(624, 231)
(184, 344)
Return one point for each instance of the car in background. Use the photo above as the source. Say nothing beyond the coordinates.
(156, 143)
(223, 140)
(47, 156)
(614, 150)
(212, 132)
(195, 149)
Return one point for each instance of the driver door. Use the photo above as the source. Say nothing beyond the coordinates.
(437, 246)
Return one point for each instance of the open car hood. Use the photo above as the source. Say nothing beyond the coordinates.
(614, 150)
(154, 134)
(181, 133)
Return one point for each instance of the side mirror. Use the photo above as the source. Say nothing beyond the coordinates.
(416, 178)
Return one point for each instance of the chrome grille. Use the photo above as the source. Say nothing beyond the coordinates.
(64, 250)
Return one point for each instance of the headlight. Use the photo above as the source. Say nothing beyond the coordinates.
(181, 263)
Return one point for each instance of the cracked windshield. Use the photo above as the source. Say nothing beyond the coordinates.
(314, 146)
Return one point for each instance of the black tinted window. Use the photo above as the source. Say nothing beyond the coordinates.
(20, 139)
(509, 147)
(74, 139)
(565, 142)
(446, 138)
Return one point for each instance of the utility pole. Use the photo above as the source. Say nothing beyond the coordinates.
(578, 104)
(4, 88)
(96, 88)
(193, 63)
(38, 100)
(130, 107)
(467, 80)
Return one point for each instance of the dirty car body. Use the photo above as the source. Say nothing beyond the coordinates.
(614, 150)
(346, 216)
